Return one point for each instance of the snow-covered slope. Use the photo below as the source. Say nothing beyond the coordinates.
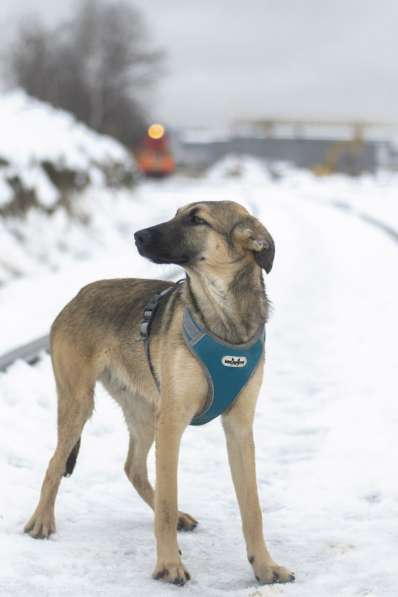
(325, 427)
(40, 241)
(45, 151)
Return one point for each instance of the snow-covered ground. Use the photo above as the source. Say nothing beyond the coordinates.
(374, 197)
(325, 428)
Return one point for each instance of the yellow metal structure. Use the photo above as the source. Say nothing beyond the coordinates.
(337, 150)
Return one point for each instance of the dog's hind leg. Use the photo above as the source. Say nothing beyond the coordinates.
(75, 388)
(141, 440)
(135, 467)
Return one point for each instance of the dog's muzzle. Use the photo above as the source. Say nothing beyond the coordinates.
(142, 238)
(160, 244)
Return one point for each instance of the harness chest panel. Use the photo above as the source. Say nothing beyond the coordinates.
(228, 367)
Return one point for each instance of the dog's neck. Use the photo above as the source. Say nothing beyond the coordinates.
(232, 308)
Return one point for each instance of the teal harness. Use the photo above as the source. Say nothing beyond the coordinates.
(228, 367)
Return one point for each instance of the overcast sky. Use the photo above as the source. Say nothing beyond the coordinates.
(229, 59)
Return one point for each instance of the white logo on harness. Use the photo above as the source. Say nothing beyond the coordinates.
(229, 361)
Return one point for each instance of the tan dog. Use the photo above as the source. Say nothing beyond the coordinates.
(96, 337)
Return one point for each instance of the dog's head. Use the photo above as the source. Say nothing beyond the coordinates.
(208, 235)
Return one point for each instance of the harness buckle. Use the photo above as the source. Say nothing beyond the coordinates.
(144, 325)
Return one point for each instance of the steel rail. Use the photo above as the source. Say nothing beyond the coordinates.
(29, 352)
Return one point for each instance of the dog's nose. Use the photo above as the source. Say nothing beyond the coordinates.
(142, 237)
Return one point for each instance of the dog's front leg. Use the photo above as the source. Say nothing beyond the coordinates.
(170, 425)
(239, 435)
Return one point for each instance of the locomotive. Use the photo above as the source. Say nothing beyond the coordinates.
(154, 157)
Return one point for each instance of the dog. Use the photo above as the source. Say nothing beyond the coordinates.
(223, 250)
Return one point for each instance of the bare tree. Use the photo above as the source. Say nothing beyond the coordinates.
(30, 61)
(98, 65)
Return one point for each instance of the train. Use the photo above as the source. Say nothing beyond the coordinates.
(154, 156)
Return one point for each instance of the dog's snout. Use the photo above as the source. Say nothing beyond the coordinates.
(142, 237)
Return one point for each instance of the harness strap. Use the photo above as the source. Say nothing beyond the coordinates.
(146, 324)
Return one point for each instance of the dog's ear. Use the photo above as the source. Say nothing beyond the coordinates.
(252, 235)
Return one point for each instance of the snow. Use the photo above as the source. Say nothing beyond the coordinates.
(33, 177)
(372, 196)
(32, 133)
(40, 241)
(245, 167)
(326, 419)
(5, 193)
(30, 127)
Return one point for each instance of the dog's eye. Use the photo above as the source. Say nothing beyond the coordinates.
(197, 221)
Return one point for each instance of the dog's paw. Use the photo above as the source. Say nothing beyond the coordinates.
(172, 572)
(267, 573)
(40, 526)
(185, 522)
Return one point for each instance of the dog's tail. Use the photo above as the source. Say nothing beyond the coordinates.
(71, 462)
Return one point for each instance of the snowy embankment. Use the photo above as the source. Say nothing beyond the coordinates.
(325, 427)
(52, 168)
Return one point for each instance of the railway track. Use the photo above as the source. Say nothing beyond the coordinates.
(30, 352)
